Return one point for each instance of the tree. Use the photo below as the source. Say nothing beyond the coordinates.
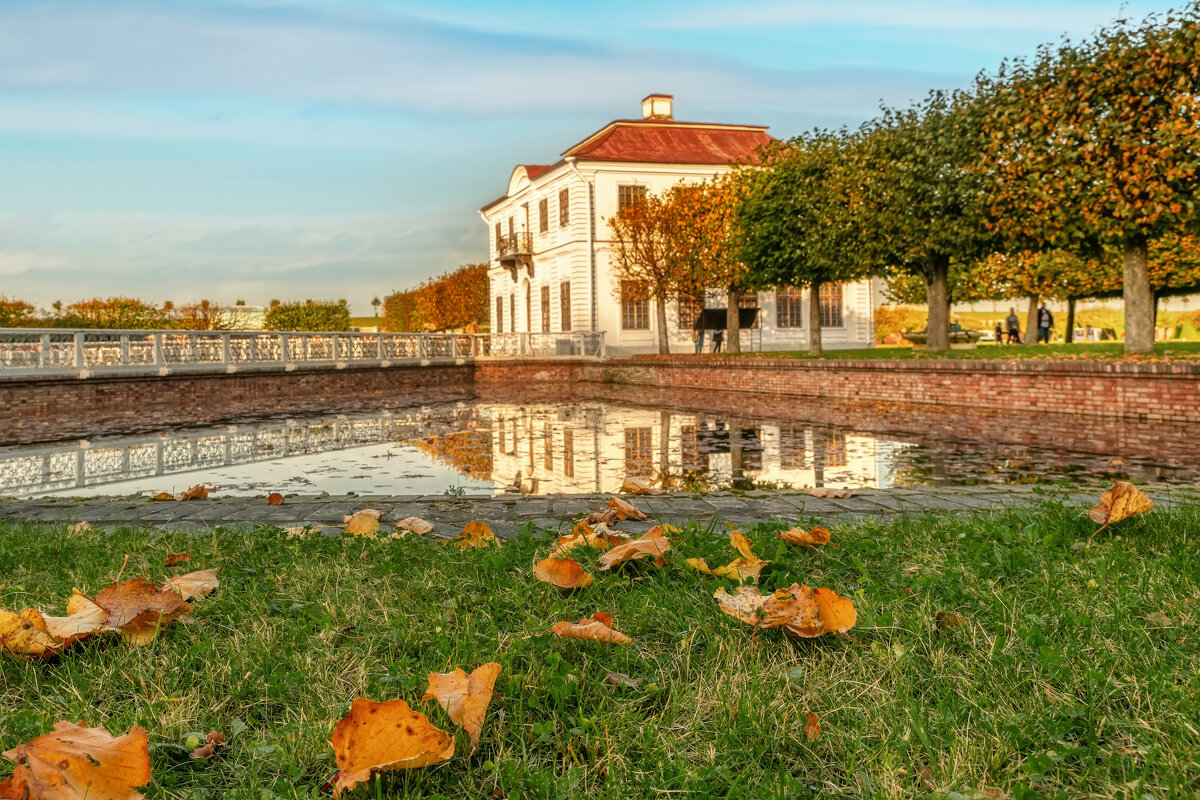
(794, 220)
(1102, 139)
(202, 316)
(121, 313)
(310, 315)
(15, 313)
(916, 201)
(453, 300)
(644, 255)
(376, 303)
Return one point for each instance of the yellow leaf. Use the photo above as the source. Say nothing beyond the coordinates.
(652, 543)
(363, 523)
(474, 534)
(1122, 501)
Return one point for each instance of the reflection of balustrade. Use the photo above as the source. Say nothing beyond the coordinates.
(26, 353)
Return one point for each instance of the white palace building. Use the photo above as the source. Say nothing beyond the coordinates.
(550, 241)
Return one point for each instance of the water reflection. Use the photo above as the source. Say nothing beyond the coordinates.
(549, 448)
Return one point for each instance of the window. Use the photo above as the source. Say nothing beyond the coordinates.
(793, 449)
(568, 453)
(689, 308)
(545, 309)
(548, 446)
(628, 195)
(750, 300)
(500, 437)
(564, 207)
(635, 307)
(831, 305)
(564, 301)
(835, 450)
(637, 452)
(512, 313)
(789, 308)
(692, 456)
(498, 237)
(498, 327)
(543, 215)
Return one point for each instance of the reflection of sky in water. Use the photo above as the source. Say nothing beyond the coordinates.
(540, 449)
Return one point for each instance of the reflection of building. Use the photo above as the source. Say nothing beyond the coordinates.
(551, 242)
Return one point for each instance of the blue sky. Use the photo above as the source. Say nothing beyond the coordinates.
(258, 149)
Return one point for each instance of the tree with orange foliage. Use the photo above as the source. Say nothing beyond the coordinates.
(453, 300)
(644, 255)
(203, 316)
(15, 313)
(120, 313)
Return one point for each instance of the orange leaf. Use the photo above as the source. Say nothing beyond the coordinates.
(209, 748)
(379, 737)
(194, 585)
(814, 538)
(652, 543)
(464, 697)
(626, 510)
(198, 492)
(829, 493)
(565, 573)
(474, 534)
(630, 486)
(800, 610)
(135, 608)
(163, 496)
(75, 762)
(599, 537)
(363, 523)
(274, 499)
(599, 628)
(812, 729)
(1122, 501)
(175, 559)
(822, 611)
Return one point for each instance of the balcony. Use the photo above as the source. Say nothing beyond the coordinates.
(516, 250)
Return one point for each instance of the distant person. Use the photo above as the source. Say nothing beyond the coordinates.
(718, 340)
(1045, 323)
(698, 334)
(956, 325)
(473, 327)
(1014, 326)
(999, 334)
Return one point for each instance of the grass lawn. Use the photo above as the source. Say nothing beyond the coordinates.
(1092, 351)
(1076, 673)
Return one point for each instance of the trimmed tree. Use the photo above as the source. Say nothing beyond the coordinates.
(644, 254)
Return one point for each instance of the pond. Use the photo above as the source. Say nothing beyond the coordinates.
(487, 446)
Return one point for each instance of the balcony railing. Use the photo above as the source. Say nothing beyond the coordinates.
(515, 246)
(51, 353)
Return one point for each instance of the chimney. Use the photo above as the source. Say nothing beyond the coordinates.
(658, 106)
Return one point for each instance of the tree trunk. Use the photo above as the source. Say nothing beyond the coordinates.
(814, 320)
(737, 473)
(733, 335)
(660, 314)
(1031, 320)
(937, 290)
(1139, 299)
(819, 443)
(1070, 334)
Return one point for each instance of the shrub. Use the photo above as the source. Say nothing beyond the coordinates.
(311, 315)
(120, 313)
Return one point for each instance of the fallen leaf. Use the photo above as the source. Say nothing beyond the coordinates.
(597, 628)
(949, 619)
(830, 493)
(175, 559)
(80, 527)
(815, 538)
(274, 499)
(465, 697)
(812, 728)
(135, 608)
(379, 737)
(625, 510)
(414, 525)
(749, 566)
(599, 537)
(620, 679)
(798, 609)
(474, 534)
(209, 748)
(163, 496)
(363, 523)
(605, 516)
(299, 531)
(23, 633)
(198, 492)
(1122, 501)
(194, 585)
(565, 573)
(822, 611)
(75, 762)
(760, 610)
(651, 543)
(631, 486)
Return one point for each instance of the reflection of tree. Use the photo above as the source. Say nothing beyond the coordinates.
(469, 452)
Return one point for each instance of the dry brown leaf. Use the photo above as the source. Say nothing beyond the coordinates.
(474, 534)
(80, 527)
(1122, 501)
(198, 492)
(379, 737)
(75, 762)
(949, 619)
(652, 543)
(363, 523)
(812, 726)
(749, 566)
(194, 585)
(620, 679)
(598, 628)
(175, 559)
(414, 525)
(465, 697)
(815, 538)
(163, 496)
(631, 486)
(599, 537)
(800, 610)
(823, 611)
(626, 510)
(209, 748)
(135, 608)
(830, 493)
(760, 610)
(565, 573)
(605, 516)
(274, 499)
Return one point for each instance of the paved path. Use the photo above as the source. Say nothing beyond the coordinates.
(507, 513)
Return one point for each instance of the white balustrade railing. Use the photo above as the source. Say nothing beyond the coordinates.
(58, 352)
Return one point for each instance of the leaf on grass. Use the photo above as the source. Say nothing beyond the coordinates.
(209, 748)
(812, 726)
(815, 538)
(1122, 501)
(198, 492)
(135, 608)
(948, 619)
(23, 633)
(631, 486)
(465, 697)
(379, 737)
(652, 543)
(274, 499)
(749, 566)
(163, 496)
(599, 537)
(414, 525)
(175, 559)
(194, 585)
(616, 680)
(565, 573)
(474, 534)
(800, 610)
(80, 527)
(626, 510)
(822, 612)
(363, 523)
(597, 628)
(75, 762)
(829, 494)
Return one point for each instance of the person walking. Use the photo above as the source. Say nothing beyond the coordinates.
(1045, 323)
(718, 340)
(698, 333)
(1014, 326)
(999, 334)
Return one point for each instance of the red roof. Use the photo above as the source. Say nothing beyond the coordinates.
(670, 142)
(533, 170)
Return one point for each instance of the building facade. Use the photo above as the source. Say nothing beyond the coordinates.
(550, 241)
